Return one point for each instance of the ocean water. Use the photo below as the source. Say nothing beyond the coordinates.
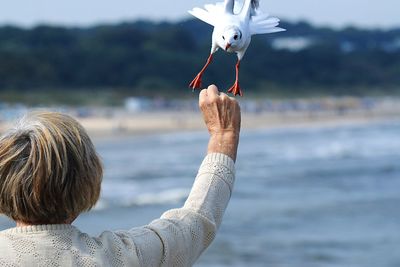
(304, 197)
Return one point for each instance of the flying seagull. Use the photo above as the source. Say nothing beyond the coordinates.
(233, 28)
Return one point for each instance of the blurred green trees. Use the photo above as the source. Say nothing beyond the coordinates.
(149, 57)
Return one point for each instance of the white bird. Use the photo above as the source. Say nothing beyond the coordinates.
(233, 28)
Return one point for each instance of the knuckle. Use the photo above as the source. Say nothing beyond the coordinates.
(213, 87)
(224, 98)
(203, 93)
(213, 99)
(202, 97)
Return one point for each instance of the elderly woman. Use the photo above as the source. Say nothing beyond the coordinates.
(50, 173)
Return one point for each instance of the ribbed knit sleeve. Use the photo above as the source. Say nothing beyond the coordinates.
(183, 234)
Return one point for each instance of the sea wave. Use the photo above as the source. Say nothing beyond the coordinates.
(323, 143)
(141, 192)
(171, 196)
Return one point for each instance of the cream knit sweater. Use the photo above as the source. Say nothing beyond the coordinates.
(176, 239)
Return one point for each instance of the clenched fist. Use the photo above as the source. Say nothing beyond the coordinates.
(222, 116)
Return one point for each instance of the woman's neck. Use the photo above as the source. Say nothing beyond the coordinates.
(24, 224)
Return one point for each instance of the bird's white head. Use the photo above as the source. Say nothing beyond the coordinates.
(231, 39)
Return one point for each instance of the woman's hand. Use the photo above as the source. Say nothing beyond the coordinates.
(221, 114)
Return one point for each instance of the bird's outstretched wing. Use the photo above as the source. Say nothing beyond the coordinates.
(261, 23)
(210, 13)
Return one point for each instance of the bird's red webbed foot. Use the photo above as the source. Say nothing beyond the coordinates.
(196, 83)
(235, 89)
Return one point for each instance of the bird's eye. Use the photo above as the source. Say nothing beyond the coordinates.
(235, 37)
(223, 37)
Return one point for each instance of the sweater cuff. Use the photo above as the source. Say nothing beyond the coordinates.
(220, 159)
(220, 165)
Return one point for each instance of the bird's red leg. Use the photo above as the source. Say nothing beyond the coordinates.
(235, 89)
(196, 83)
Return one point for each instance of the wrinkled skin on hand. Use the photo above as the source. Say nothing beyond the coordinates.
(222, 117)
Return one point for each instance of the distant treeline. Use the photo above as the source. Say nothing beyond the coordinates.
(145, 57)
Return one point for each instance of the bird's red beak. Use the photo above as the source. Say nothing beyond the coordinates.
(227, 46)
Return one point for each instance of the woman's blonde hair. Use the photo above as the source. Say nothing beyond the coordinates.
(49, 170)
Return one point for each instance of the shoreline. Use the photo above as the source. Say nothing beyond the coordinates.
(172, 122)
(119, 123)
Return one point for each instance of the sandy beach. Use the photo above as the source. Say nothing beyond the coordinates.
(146, 123)
(106, 122)
(156, 122)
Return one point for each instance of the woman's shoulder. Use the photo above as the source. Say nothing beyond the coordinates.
(58, 243)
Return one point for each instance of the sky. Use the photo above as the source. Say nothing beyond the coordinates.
(334, 13)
